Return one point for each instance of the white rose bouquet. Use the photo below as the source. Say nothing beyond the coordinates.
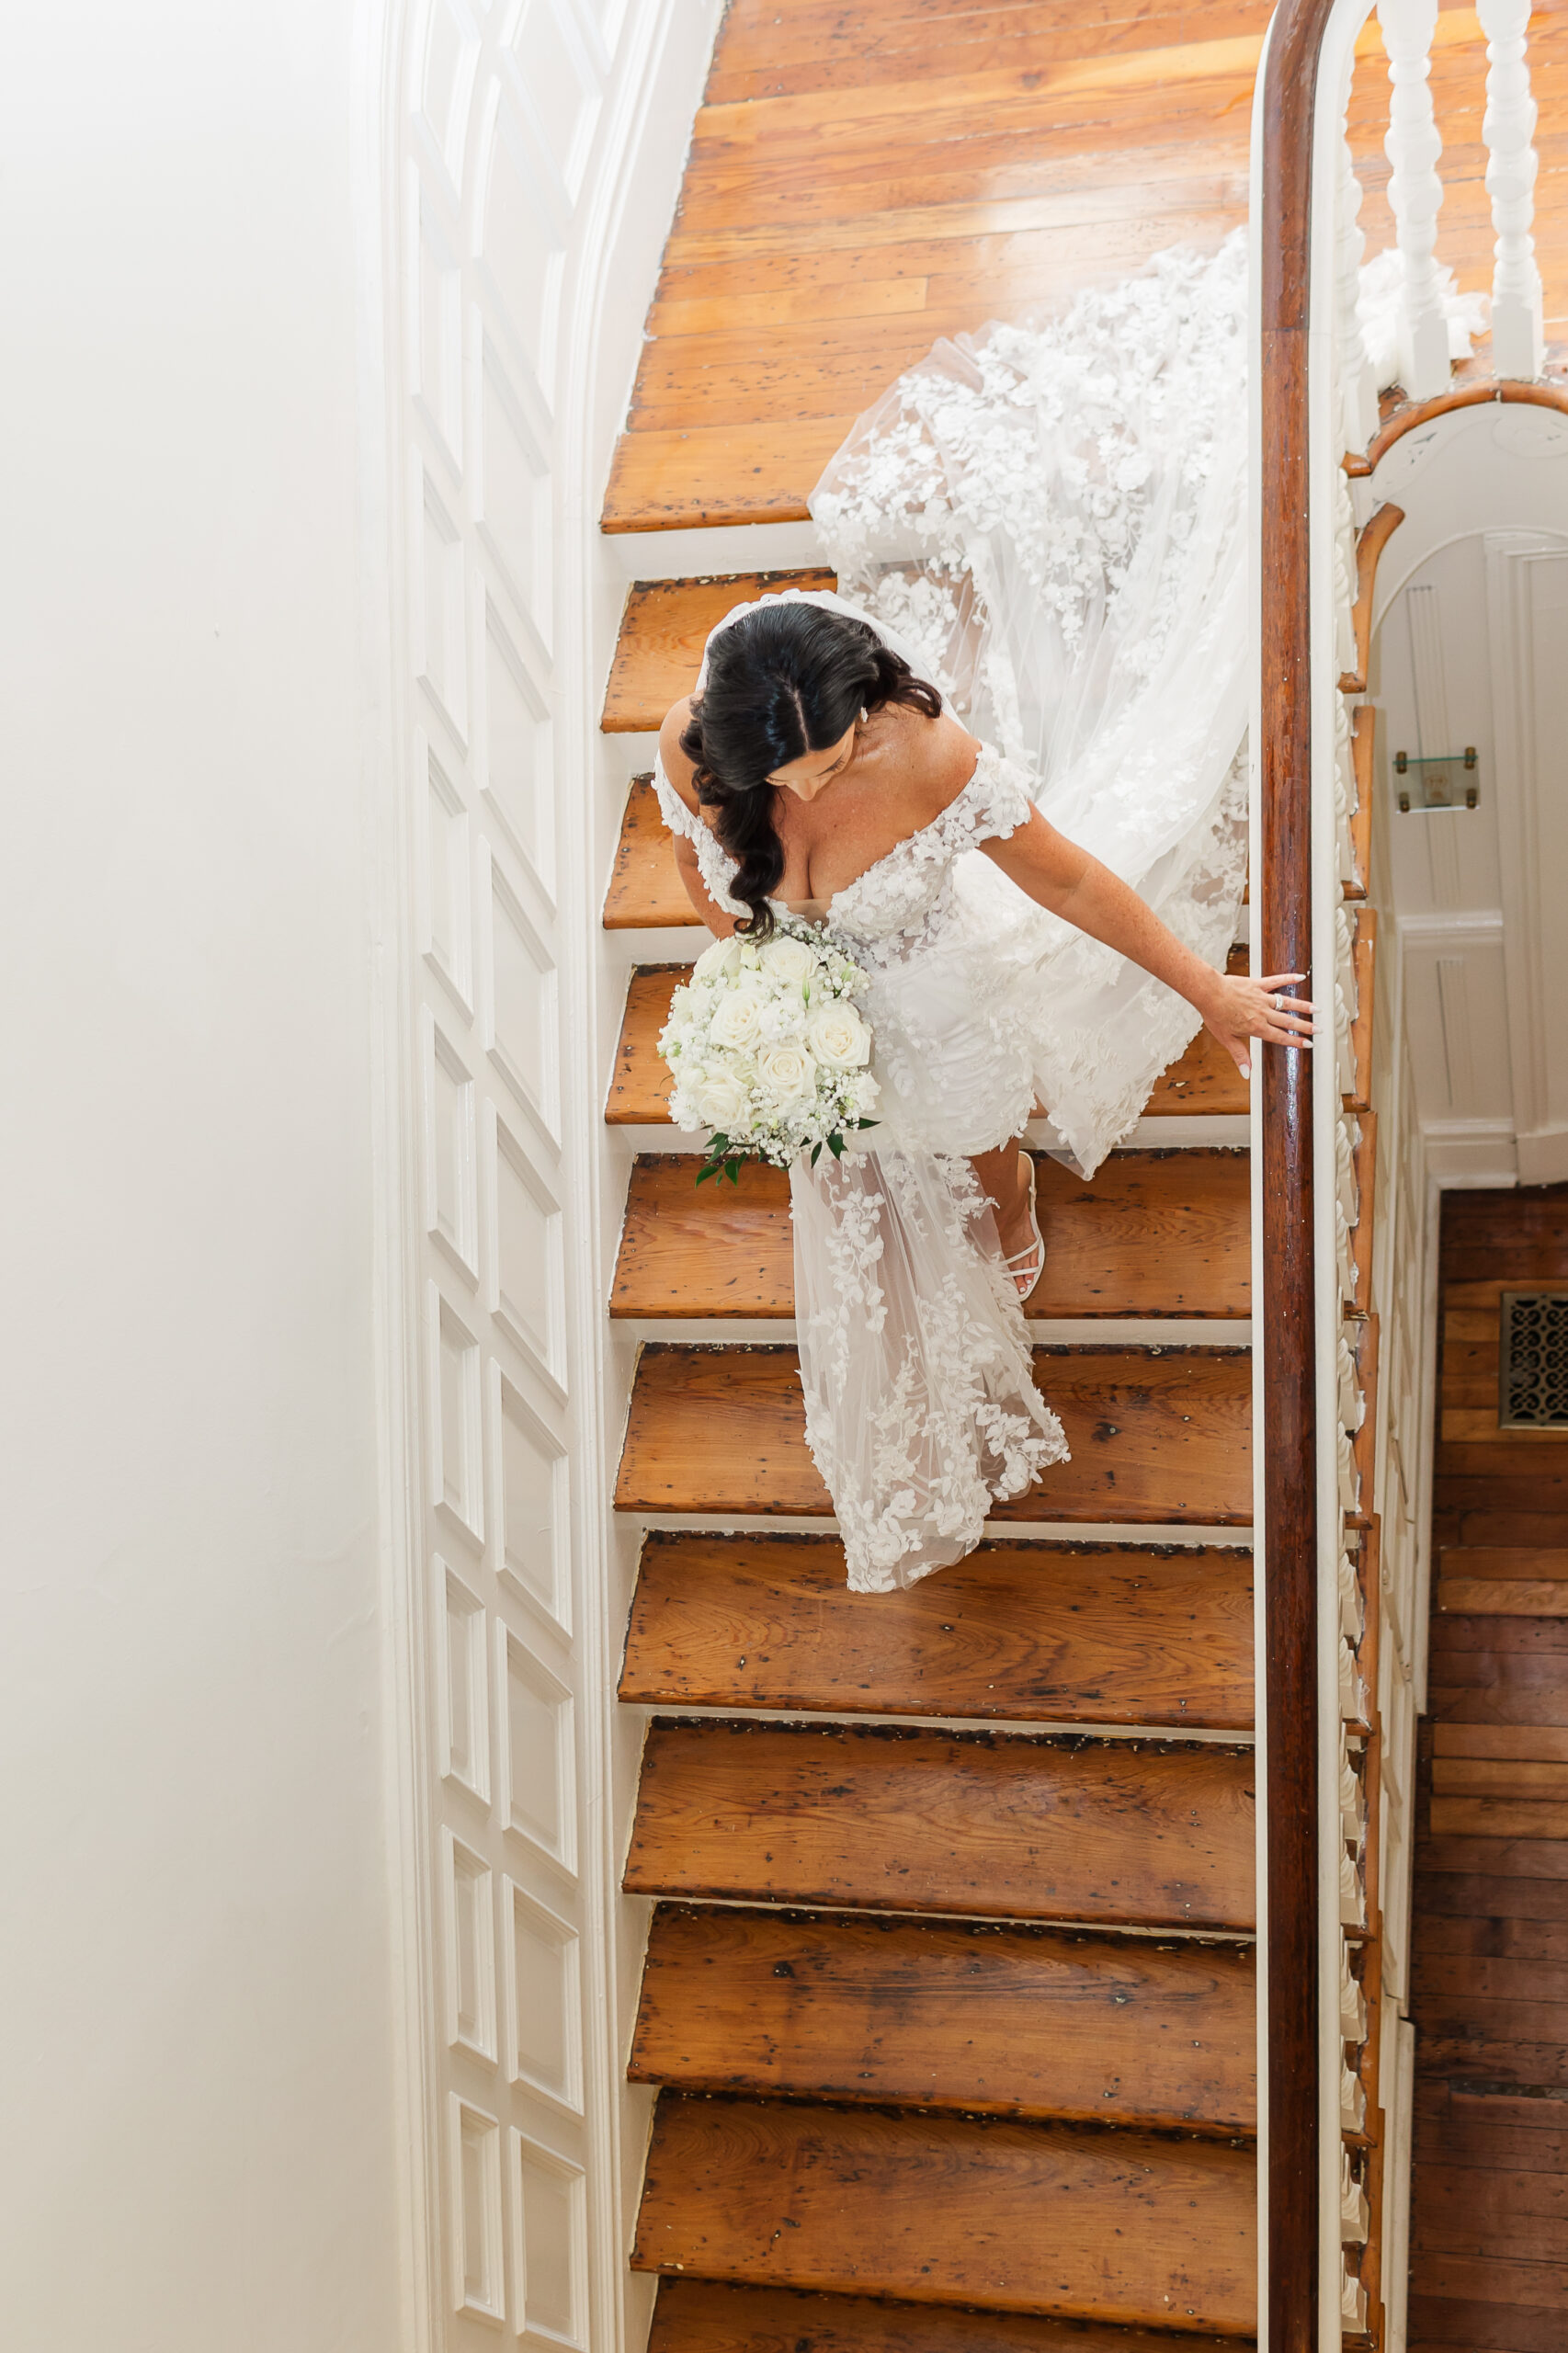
(770, 1052)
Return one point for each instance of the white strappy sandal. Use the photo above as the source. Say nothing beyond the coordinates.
(1027, 1265)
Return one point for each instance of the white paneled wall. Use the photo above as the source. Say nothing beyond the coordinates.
(513, 137)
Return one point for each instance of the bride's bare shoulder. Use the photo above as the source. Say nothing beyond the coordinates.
(942, 754)
(672, 759)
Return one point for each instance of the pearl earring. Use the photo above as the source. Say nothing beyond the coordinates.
(865, 714)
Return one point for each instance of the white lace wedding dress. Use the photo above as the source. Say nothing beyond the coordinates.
(1048, 522)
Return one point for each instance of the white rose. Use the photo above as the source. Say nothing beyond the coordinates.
(787, 962)
(838, 1037)
(788, 1074)
(721, 1102)
(735, 1021)
(717, 960)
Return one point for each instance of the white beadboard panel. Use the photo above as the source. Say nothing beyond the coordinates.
(530, 1511)
(524, 1252)
(463, 1683)
(1526, 607)
(478, 2260)
(1456, 1014)
(550, 2231)
(450, 1154)
(467, 1883)
(1434, 680)
(443, 878)
(537, 1744)
(543, 1986)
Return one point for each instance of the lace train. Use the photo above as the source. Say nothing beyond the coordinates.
(1053, 516)
(921, 1407)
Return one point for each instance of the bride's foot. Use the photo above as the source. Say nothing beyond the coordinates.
(1026, 1263)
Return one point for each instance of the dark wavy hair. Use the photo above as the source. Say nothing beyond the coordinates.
(789, 678)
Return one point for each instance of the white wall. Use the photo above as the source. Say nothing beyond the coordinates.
(195, 2014)
(225, 1980)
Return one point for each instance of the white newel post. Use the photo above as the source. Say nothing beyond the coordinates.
(1415, 192)
(1517, 343)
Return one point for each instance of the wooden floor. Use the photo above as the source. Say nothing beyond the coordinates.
(1489, 2217)
(861, 182)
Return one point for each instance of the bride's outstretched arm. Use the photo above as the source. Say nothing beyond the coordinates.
(1057, 874)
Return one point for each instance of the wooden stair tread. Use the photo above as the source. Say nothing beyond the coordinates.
(1061, 2219)
(720, 474)
(1010, 2021)
(1157, 1435)
(716, 2317)
(1099, 1634)
(1005, 1824)
(663, 631)
(1205, 1079)
(1155, 1233)
(645, 889)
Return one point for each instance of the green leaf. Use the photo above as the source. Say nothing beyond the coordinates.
(816, 1150)
(735, 1166)
(835, 1145)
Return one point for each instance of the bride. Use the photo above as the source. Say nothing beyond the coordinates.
(1043, 528)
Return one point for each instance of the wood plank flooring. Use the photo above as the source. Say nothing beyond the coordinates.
(1489, 2238)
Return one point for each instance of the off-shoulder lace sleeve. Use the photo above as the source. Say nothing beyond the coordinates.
(714, 863)
(994, 803)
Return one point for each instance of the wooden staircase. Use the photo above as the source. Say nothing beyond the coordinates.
(949, 1994)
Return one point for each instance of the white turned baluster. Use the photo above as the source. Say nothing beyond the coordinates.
(1518, 345)
(1415, 192)
(1358, 391)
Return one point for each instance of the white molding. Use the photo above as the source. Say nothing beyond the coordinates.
(1542, 1153)
(1324, 483)
(715, 550)
(421, 2155)
(1471, 1152)
(1140, 1533)
(1254, 1139)
(1528, 830)
(1451, 928)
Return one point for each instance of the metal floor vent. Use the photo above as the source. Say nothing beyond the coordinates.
(1533, 1361)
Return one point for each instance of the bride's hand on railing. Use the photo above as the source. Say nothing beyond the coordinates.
(1240, 1010)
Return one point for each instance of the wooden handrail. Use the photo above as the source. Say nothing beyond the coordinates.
(1288, 1438)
